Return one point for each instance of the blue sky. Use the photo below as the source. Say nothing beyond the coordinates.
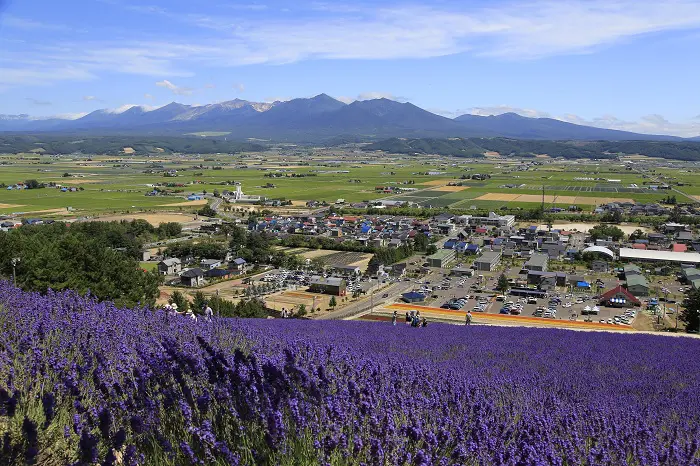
(626, 64)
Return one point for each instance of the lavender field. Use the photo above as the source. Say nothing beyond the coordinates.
(86, 383)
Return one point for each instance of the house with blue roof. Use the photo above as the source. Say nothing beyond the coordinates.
(450, 244)
(461, 246)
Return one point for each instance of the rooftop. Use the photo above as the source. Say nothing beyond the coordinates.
(488, 256)
(442, 254)
(667, 256)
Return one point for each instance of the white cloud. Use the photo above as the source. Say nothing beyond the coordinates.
(149, 97)
(239, 87)
(89, 97)
(371, 96)
(276, 99)
(647, 124)
(501, 109)
(177, 90)
(511, 30)
(16, 22)
(39, 102)
(210, 86)
(64, 116)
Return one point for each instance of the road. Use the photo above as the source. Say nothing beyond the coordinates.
(393, 291)
(376, 299)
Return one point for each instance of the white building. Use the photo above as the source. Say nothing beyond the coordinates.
(238, 196)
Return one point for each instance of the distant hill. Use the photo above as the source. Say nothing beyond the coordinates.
(314, 120)
(477, 147)
(114, 145)
(513, 125)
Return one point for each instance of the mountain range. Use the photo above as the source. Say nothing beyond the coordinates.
(316, 119)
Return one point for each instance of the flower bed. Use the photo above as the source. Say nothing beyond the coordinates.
(83, 382)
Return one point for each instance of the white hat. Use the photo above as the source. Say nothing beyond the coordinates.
(174, 306)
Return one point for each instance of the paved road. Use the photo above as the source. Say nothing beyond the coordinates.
(375, 300)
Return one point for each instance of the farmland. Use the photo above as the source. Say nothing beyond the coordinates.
(110, 185)
(283, 391)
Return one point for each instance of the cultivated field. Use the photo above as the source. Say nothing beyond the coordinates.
(113, 185)
(550, 199)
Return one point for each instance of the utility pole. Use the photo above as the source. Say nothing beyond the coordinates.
(15, 261)
(542, 198)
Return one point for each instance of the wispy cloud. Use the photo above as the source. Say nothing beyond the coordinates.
(209, 86)
(372, 95)
(240, 87)
(507, 31)
(501, 109)
(16, 22)
(177, 90)
(38, 102)
(148, 97)
(277, 99)
(647, 124)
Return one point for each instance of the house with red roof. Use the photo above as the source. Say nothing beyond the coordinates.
(619, 297)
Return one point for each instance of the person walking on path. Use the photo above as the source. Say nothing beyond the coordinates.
(393, 319)
(468, 318)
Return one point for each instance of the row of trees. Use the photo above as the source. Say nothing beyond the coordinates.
(245, 308)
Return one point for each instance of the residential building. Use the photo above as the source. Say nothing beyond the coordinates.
(600, 266)
(488, 261)
(239, 264)
(192, 277)
(171, 266)
(637, 285)
(209, 264)
(441, 258)
(537, 262)
(331, 285)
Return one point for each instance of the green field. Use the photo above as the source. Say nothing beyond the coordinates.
(118, 184)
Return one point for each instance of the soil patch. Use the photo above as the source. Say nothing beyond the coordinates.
(186, 203)
(153, 219)
(549, 199)
(435, 183)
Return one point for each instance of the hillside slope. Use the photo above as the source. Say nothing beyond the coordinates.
(93, 382)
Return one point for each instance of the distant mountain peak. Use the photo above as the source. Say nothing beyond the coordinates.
(317, 118)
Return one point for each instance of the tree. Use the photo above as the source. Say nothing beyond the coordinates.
(605, 231)
(182, 303)
(33, 184)
(302, 310)
(502, 285)
(637, 234)
(332, 303)
(420, 242)
(690, 315)
(199, 302)
(431, 249)
(206, 211)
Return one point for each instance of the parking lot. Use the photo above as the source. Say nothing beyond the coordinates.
(442, 289)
